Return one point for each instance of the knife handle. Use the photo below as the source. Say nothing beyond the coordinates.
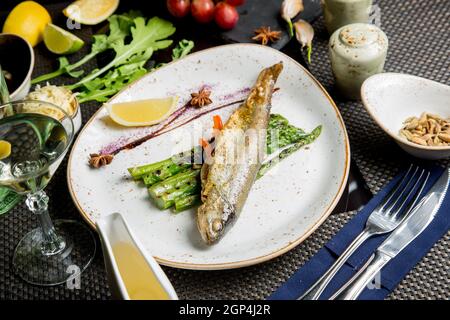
(316, 290)
(353, 288)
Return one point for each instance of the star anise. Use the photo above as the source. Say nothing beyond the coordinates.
(200, 98)
(100, 160)
(266, 35)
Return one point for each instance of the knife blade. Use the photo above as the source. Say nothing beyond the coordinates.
(419, 219)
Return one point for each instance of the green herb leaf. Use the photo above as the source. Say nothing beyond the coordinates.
(63, 65)
(183, 48)
(100, 89)
(281, 133)
(146, 37)
(119, 29)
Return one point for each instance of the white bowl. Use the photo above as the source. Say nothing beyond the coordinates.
(77, 118)
(390, 98)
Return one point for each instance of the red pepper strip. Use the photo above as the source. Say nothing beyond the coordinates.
(203, 143)
(217, 122)
(208, 150)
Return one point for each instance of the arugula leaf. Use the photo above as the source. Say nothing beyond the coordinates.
(182, 49)
(146, 38)
(64, 64)
(119, 29)
(100, 89)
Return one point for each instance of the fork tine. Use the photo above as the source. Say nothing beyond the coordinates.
(415, 198)
(391, 194)
(406, 189)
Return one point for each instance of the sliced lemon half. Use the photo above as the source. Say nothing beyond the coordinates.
(5, 149)
(142, 112)
(60, 41)
(28, 20)
(91, 12)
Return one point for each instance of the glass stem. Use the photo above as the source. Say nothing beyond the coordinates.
(51, 243)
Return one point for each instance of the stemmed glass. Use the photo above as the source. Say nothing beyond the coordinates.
(34, 137)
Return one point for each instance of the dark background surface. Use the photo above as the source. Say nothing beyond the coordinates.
(16, 223)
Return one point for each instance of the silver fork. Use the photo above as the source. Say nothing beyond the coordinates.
(385, 218)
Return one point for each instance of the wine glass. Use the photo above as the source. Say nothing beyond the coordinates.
(34, 137)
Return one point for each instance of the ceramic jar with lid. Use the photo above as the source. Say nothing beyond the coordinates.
(338, 13)
(357, 51)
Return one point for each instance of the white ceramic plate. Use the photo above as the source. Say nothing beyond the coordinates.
(284, 206)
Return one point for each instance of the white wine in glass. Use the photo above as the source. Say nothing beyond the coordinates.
(34, 137)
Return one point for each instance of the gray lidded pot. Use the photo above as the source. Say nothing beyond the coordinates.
(357, 51)
(338, 13)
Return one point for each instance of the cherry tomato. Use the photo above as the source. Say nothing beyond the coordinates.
(178, 8)
(226, 16)
(235, 3)
(202, 10)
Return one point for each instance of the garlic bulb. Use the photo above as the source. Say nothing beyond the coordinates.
(289, 9)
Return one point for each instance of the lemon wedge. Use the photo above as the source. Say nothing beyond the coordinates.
(91, 12)
(60, 41)
(142, 112)
(5, 149)
(28, 20)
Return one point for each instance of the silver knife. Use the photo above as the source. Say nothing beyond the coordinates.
(413, 226)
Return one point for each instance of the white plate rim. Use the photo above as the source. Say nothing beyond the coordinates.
(251, 261)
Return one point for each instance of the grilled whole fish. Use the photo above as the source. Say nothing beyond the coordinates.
(240, 149)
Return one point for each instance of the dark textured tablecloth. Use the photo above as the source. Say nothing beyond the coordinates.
(419, 38)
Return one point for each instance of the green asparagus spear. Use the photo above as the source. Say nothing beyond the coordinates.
(138, 172)
(288, 151)
(281, 133)
(160, 170)
(150, 179)
(172, 183)
(164, 173)
(185, 203)
(168, 200)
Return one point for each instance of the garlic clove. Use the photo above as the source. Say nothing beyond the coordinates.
(304, 33)
(289, 9)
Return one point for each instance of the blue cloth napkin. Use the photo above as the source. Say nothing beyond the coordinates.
(390, 275)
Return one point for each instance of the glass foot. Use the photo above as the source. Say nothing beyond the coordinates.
(35, 267)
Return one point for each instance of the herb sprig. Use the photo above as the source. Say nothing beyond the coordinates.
(133, 40)
(146, 38)
(119, 29)
(100, 89)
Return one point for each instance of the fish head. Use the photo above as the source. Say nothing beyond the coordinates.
(213, 219)
(211, 230)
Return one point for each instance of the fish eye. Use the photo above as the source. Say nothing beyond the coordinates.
(217, 225)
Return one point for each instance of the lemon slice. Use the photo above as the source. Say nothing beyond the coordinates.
(91, 11)
(5, 149)
(142, 112)
(28, 20)
(60, 41)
